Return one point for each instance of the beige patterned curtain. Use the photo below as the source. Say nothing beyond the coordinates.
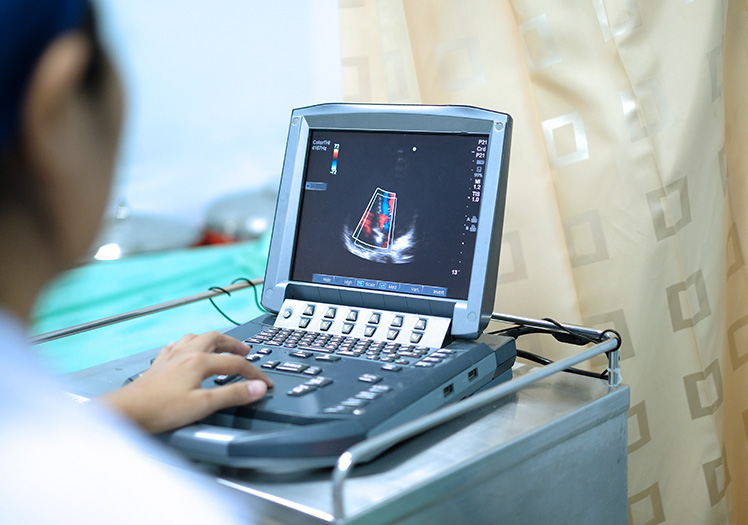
(627, 204)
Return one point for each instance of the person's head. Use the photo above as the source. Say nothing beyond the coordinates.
(60, 118)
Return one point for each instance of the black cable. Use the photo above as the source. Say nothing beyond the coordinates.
(545, 361)
(567, 335)
(213, 288)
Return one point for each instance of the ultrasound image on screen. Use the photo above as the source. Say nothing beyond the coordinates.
(390, 211)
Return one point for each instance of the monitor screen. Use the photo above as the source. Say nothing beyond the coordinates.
(390, 211)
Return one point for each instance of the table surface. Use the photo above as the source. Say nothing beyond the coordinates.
(512, 429)
(433, 465)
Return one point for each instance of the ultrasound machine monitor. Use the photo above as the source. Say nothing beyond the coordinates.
(380, 280)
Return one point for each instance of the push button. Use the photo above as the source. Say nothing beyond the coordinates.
(374, 319)
(352, 316)
(296, 368)
(309, 310)
(302, 389)
(319, 381)
(370, 378)
(224, 379)
(354, 402)
(420, 325)
(331, 312)
(397, 321)
(328, 358)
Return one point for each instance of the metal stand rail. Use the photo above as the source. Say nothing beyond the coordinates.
(148, 310)
(369, 448)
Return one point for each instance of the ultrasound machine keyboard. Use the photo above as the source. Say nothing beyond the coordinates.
(379, 331)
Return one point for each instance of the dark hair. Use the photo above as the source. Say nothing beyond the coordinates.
(96, 71)
(14, 185)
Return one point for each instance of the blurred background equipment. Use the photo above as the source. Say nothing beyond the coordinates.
(240, 216)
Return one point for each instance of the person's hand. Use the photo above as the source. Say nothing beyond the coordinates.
(169, 394)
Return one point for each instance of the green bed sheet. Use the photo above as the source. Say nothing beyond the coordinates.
(103, 289)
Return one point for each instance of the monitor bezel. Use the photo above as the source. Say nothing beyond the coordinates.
(469, 316)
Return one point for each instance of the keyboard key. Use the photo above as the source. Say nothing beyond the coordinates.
(325, 325)
(369, 396)
(264, 351)
(391, 368)
(296, 368)
(382, 389)
(309, 310)
(303, 354)
(347, 328)
(319, 381)
(415, 337)
(340, 409)
(314, 348)
(370, 378)
(331, 312)
(374, 319)
(328, 358)
(369, 331)
(392, 334)
(304, 322)
(352, 316)
(354, 402)
(270, 364)
(397, 321)
(224, 379)
(253, 357)
(420, 324)
(312, 371)
(302, 389)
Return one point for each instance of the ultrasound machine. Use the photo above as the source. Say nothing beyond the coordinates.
(380, 280)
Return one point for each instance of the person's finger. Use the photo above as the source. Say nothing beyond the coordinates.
(231, 364)
(174, 347)
(235, 394)
(217, 342)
